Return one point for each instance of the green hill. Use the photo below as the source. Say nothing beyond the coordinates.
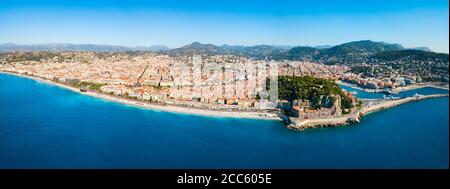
(293, 88)
(410, 54)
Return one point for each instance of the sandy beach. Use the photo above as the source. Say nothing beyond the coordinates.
(166, 108)
(295, 123)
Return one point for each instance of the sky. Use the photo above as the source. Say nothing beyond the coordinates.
(174, 23)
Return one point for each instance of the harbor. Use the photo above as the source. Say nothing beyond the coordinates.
(368, 106)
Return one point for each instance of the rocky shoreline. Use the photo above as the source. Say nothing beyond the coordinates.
(352, 118)
(291, 123)
(437, 85)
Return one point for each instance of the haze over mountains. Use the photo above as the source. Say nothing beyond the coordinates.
(351, 52)
(78, 47)
(193, 47)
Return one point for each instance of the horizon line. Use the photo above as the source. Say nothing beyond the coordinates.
(209, 43)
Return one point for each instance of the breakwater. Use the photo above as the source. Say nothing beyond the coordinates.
(356, 115)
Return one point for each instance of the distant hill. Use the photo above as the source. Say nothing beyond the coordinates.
(299, 53)
(257, 51)
(421, 48)
(153, 48)
(261, 51)
(354, 52)
(347, 53)
(198, 48)
(323, 46)
(412, 55)
(350, 51)
(360, 48)
(77, 47)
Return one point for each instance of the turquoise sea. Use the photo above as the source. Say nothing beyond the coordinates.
(44, 126)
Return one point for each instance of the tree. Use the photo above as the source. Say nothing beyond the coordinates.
(316, 90)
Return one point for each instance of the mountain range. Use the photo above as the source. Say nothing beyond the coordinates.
(351, 52)
(196, 47)
(78, 47)
(257, 51)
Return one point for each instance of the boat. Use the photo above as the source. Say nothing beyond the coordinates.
(83, 90)
(417, 95)
(387, 91)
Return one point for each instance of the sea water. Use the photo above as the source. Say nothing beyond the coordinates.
(44, 126)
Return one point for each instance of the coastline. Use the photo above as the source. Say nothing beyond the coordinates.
(355, 116)
(146, 105)
(293, 123)
(436, 85)
(422, 85)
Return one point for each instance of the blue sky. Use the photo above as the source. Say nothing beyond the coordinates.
(411, 23)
